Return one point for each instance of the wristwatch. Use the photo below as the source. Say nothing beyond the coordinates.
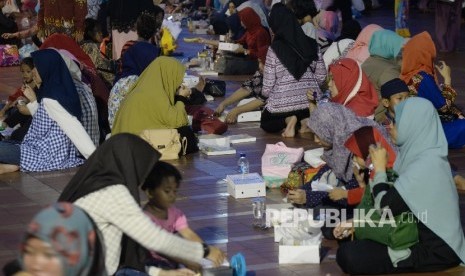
(206, 250)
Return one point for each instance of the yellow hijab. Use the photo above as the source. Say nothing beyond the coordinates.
(150, 104)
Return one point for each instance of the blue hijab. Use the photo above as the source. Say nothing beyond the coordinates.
(234, 23)
(57, 83)
(386, 44)
(137, 58)
(424, 171)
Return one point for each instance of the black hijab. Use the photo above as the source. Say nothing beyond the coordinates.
(294, 49)
(123, 159)
(350, 29)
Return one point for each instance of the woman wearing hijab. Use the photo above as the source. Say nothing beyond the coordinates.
(257, 40)
(293, 66)
(88, 104)
(338, 50)
(349, 86)
(62, 240)
(383, 64)
(360, 50)
(423, 174)
(418, 72)
(156, 101)
(107, 188)
(90, 76)
(134, 59)
(56, 135)
(334, 125)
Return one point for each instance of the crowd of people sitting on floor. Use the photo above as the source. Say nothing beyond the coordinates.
(381, 105)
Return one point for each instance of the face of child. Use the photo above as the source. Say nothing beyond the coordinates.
(231, 8)
(98, 35)
(332, 86)
(36, 77)
(394, 100)
(40, 259)
(164, 195)
(26, 71)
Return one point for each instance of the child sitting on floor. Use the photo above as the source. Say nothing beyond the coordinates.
(393, 92)
(15, 112)
(161, 187)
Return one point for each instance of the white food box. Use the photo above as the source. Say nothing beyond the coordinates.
(251, 116)
(232, 47)
(246, 185)
(299, 254)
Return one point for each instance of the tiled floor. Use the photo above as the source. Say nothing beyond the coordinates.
(218, 218)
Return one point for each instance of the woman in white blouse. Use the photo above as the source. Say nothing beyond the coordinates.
(107, 188)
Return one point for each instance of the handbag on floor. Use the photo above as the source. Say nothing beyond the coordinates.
(229, 64)
(167, 141)
(215, 88)
(204, 119)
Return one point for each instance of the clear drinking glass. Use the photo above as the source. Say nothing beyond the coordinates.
(259, 210)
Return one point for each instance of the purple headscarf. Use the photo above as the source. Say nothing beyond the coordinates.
(334, 124)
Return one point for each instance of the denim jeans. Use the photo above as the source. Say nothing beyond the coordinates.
(10, 153)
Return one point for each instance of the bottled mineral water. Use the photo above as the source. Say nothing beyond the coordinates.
(243, 164)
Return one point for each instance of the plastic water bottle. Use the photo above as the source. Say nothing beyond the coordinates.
(243, 164)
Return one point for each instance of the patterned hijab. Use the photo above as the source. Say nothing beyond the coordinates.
(73, 237)
(355, 91)
(425, 173)
(360, 50)
(418, 55)
(334, 124)
(57, 83)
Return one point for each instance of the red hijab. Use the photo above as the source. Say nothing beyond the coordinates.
(418, 55)
(355, 91)
(62, 41)
(256, 37)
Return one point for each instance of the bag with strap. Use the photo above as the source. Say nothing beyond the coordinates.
(230, 64)
(167, 141)
(215, 88)
(399, 232)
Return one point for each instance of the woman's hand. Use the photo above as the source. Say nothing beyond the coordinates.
(379, 157)
(297, 196)
(10, 35)
(219, 110)
(444, 70)
(231, 118)
(343, 230)
(216, 256)
(29, 93)
(337, 194)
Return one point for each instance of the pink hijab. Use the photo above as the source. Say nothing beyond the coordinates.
(359, 51)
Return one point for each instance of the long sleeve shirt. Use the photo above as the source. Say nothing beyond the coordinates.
(284, 92)
(115, 212)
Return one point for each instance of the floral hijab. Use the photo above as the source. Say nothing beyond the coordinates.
(73, 237)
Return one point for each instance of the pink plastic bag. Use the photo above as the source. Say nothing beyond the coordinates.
(277, 161)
